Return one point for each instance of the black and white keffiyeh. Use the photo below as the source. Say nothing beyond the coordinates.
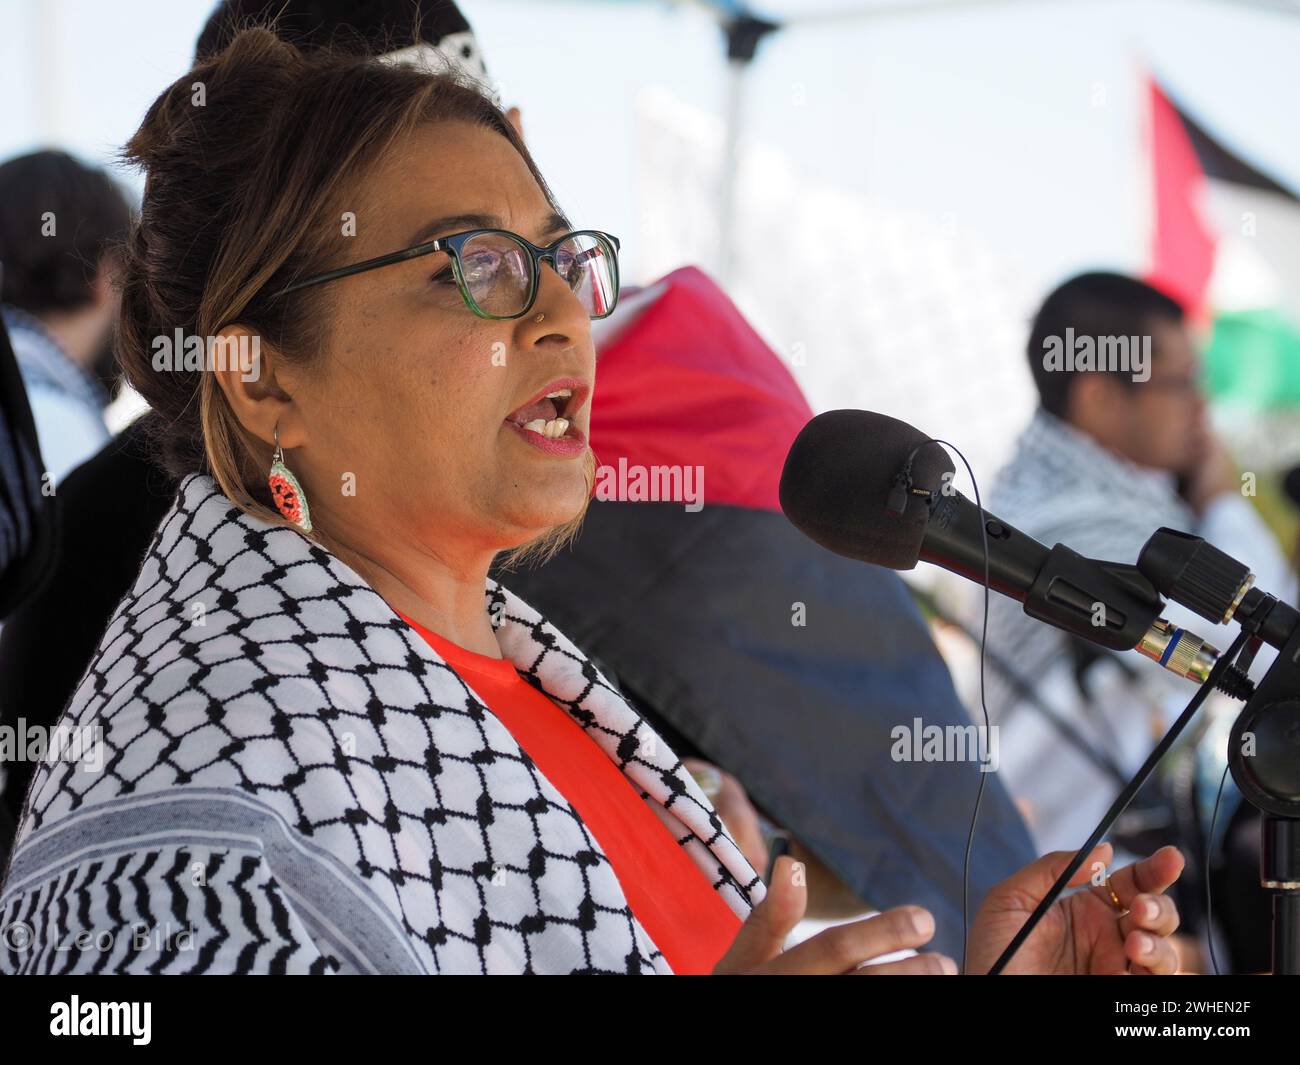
(1061, 486)
(292, 780)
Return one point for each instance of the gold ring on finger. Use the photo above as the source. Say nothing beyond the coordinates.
(1114, 899)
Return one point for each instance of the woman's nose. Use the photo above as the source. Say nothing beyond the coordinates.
(565, 315)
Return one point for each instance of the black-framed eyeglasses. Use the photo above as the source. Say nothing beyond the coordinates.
(497, 271)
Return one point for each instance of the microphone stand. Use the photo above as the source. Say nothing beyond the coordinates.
(1264, 743)
(1121, 802)
(1264, 758)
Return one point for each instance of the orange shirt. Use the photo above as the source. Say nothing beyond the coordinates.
(667, 892)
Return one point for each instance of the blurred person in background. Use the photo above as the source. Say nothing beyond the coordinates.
(59, 223)
(27, 519)
(1110, 455)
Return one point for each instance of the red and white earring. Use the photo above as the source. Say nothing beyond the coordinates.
(286, 491)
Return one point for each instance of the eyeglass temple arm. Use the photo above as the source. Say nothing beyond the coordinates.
(367, 264)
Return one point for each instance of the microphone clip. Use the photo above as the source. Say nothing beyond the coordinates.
(901, 488)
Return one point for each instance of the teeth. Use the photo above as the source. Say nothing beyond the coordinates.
(550, 429)
(563, 393)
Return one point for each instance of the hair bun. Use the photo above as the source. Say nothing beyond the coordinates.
(230, 90)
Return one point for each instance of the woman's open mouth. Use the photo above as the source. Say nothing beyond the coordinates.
(546, 420)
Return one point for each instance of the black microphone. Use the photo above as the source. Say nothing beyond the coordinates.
(875, 489)
(866, 486)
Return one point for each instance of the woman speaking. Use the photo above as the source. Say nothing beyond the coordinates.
(326, 741)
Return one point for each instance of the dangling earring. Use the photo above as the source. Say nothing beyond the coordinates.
(286, 491)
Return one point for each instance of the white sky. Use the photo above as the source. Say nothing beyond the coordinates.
(1018, 119)
(1016, 125)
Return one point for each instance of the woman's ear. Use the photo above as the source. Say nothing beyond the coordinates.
(257, 387)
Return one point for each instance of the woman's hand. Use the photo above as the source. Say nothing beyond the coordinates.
(757, 947)
(1083, 933)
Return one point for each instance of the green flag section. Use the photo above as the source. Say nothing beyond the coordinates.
(1253, 359)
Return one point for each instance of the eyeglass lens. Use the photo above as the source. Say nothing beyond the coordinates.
(497, 269)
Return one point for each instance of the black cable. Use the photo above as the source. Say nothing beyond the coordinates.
(1209, 903)
(906, 478)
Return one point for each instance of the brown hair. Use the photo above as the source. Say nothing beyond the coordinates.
(245, 157)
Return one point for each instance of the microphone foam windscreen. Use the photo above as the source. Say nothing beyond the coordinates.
(837, 479)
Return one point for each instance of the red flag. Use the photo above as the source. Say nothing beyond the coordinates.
(1182, 245)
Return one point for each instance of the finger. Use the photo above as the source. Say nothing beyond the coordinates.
(1101, 856)
(843, 948)
(1156, 914)
(764, 932)
(1151, 955)
(1151, 875)
(916, 965)
(1037, 878)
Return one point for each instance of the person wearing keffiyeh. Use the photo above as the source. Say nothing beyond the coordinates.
(1109, 457)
